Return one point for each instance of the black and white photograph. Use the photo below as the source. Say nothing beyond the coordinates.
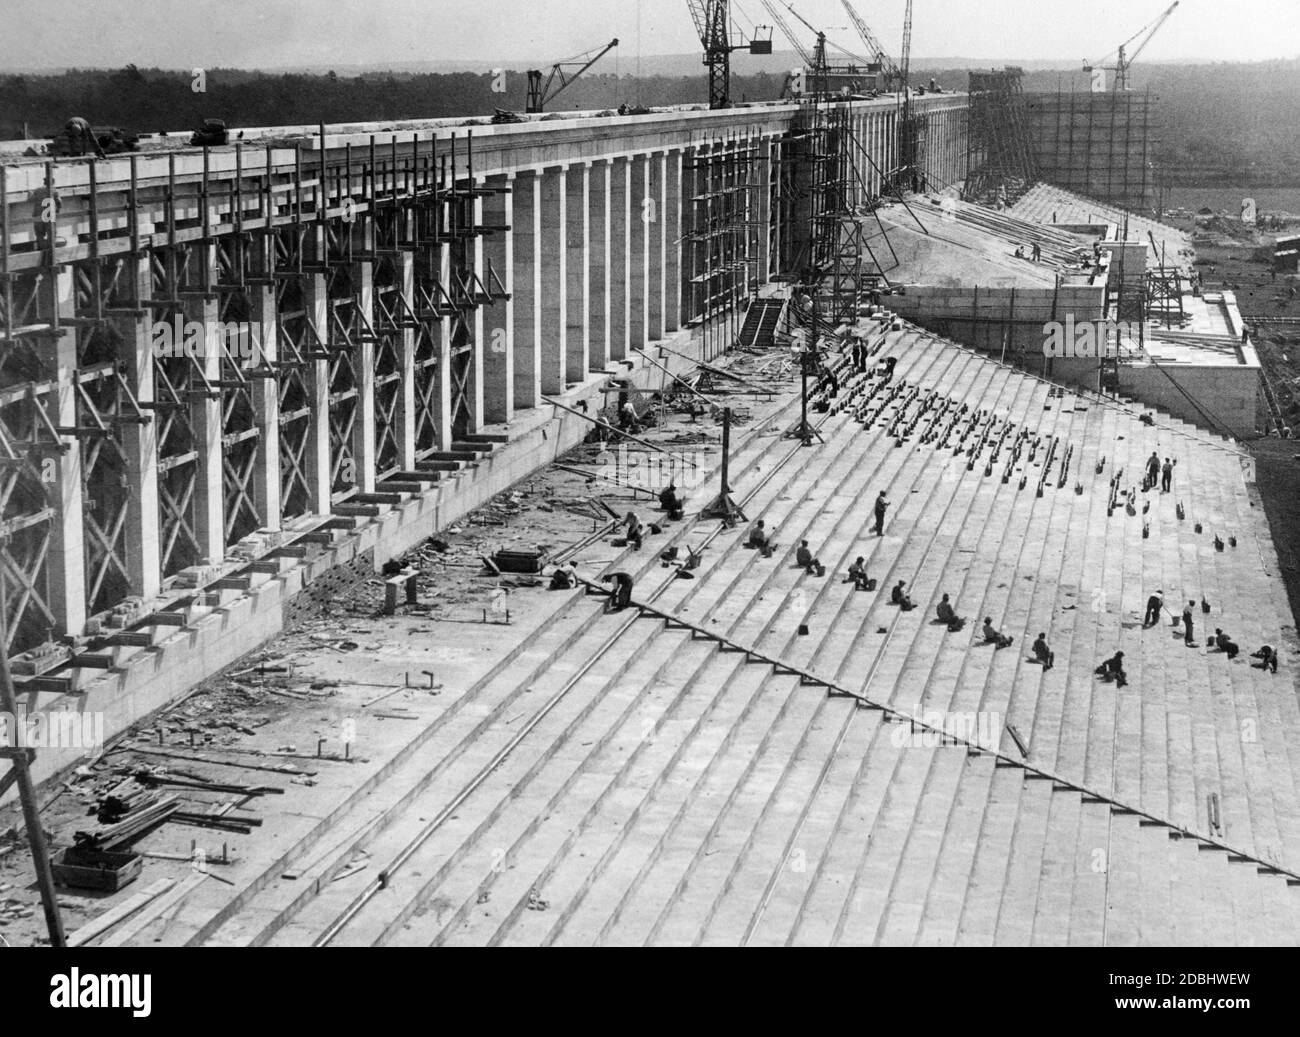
(694, 473)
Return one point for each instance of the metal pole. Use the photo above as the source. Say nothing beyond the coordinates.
(803, 396)
(18, 756)
(726, 450)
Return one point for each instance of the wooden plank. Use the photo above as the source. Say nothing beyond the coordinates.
(163, 903)
(125, 909)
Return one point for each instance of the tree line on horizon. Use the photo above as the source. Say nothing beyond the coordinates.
(1224, 123)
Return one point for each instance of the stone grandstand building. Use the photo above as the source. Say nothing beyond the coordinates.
(330, 554)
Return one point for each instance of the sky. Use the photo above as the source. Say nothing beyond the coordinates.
(343, 33)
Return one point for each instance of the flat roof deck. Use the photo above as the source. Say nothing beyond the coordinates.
(938, 240)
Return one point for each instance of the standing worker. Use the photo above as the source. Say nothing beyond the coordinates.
(881, 505)
(1167, 475)
(1187, 622)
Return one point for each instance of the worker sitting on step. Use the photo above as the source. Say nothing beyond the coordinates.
(1267, 657)
(1225, 644)
(759, 539)
(564, 578)
(858, 576)
(994, 636)
(670, 502)
(946, 615)
(620, 595)
(635, 531)
(899, 597)
(1113, 670)
(1154, 604)
(627, 420)
(829, 384)
(1042, 653)
(805, 560)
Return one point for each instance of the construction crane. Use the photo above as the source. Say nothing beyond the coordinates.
(907, 131)
(905, 59)
(1124, 61)
(893, 74)
(540, 93)
(712, 24)
(805, 55)
(818, 67)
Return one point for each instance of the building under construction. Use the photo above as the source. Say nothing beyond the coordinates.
(297, 435)
(1101, 145)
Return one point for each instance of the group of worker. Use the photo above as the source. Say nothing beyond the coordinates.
(1221, 641)
(565, 576)
(759, 537)
(1157, 472)
(673, 507)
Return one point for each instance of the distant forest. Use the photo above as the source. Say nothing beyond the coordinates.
(1234, 124)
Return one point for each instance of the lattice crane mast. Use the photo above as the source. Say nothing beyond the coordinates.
(818, 67)
(1123, 60)
(905, 59)
(907, 145)
(713, 26)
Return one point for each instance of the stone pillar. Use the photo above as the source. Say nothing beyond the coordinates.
(639, 241)
(619, 256)
(553, 263)
(873, 148)
(657, 245)
(363, 360)
(316, 459)
(777, 231)
(892, 140)
(406, 412)
(499, 318)
(266, 403)
(477, 325)
(577, 247)
(672, 221)
(140, 447)
(764, 206)
(598, 244)
(442, 369)
(527, 288)
(65, 563)
(206, 419)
